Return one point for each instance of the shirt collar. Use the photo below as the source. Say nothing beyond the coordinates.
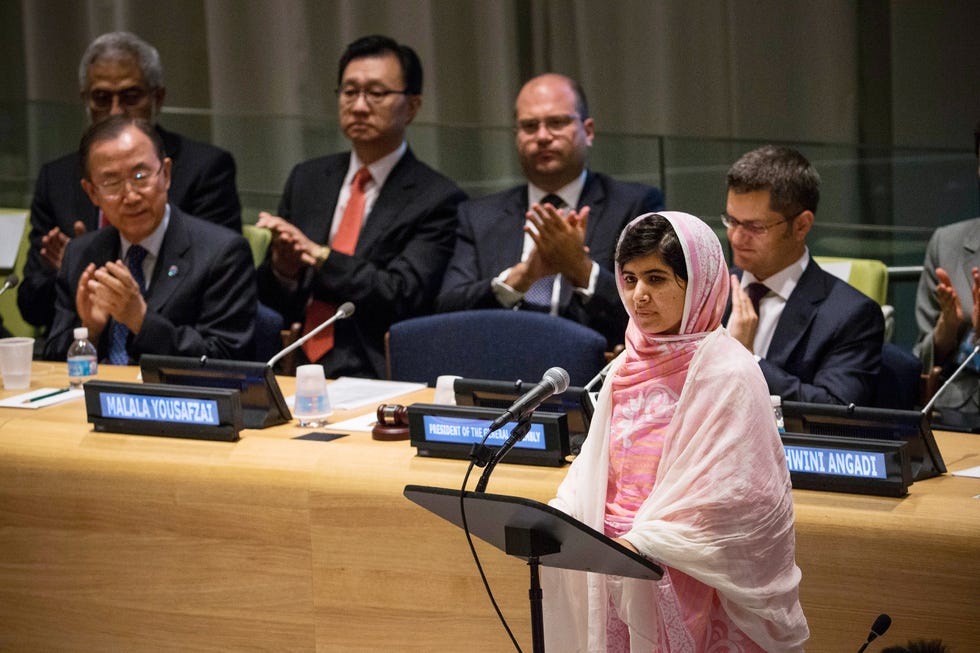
(783, 282)
(379, 170)
(569, 193)
(151, 243)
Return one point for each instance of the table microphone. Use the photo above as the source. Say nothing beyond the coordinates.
(11, 282)
(878, 628)
(928, 406)
(346, 310)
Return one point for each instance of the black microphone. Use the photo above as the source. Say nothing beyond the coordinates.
(878, 628)
(928, 406)
(11, 282)
(555, 381)
(346, 310)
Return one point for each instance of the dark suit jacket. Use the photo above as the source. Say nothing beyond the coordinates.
(827, 346)
(490, 239)
(202, 184)
(396, 268)
(201, 299)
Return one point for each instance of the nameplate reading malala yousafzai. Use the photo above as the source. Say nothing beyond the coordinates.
(164, 410)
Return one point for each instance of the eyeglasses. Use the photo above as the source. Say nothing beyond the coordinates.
(753, 227)
(373, 96)
(128, 97)
(139, 182)
(554, 124)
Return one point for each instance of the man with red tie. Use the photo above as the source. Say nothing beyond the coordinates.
(373, 226)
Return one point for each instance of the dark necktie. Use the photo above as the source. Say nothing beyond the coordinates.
(538, 296)
(756, 292)
(119, 332)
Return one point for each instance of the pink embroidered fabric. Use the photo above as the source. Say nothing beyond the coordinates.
(684, 461)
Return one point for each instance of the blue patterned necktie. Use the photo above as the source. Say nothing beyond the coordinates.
(538, 296)
(119, 332)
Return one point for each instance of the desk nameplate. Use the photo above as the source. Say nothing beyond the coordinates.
(165, 410)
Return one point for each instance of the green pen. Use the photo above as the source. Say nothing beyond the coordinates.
(46, 395)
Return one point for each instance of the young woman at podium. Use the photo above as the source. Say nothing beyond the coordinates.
(683, 463)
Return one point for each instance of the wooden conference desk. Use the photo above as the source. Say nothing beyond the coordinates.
(114, 542)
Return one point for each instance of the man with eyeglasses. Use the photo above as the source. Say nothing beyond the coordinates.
(119, 74)
(816, 338)
(155, 279)
(373, 226)
(548, 245)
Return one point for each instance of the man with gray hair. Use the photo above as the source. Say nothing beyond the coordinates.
(119, 74)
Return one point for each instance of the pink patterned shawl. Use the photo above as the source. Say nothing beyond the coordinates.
(720, 509)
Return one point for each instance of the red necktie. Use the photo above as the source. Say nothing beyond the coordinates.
(344, 241)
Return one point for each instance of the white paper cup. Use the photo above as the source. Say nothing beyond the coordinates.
(15, 362)
(445, 392)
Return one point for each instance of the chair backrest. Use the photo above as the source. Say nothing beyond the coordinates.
(492, 344)
(12, 321)
(900, 380)
(258, 240)
(870, 276)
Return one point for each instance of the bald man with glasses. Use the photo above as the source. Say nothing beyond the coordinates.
(548, 245)
(816, 338)
(119, 74)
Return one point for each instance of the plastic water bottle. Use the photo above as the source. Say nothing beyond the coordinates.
(83, 360)
(777, 410)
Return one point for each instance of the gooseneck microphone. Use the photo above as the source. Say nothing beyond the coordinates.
(878, 628)
(11, 282)
(555, 381)
(346, 310)
(952, 377)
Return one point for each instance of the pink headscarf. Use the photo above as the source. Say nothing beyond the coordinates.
(663, 360)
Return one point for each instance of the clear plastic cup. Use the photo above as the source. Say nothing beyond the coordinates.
(15, 362)
(312, 404)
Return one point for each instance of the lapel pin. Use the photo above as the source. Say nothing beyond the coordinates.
(172, 272)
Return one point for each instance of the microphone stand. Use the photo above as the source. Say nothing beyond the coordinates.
(516, 435)
(952, 377)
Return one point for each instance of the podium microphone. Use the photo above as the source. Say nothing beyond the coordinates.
(346, 310)
(555, 381)
(928, 406)
(11, 282)
(878, 628)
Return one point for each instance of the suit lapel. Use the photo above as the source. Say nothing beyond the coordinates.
(799, 312)
(399, 191)
(593, 196)
(173, 264)
(971, 245)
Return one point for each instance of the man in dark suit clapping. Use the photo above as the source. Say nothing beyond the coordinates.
(120, 74)
(817, 339)
(373, 226)
(548, 245)
(155, 280)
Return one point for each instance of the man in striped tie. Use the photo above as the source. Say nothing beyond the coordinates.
(373, 226)
(155, 279)
(548, 245)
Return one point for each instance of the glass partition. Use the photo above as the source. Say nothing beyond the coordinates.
(880, 203)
